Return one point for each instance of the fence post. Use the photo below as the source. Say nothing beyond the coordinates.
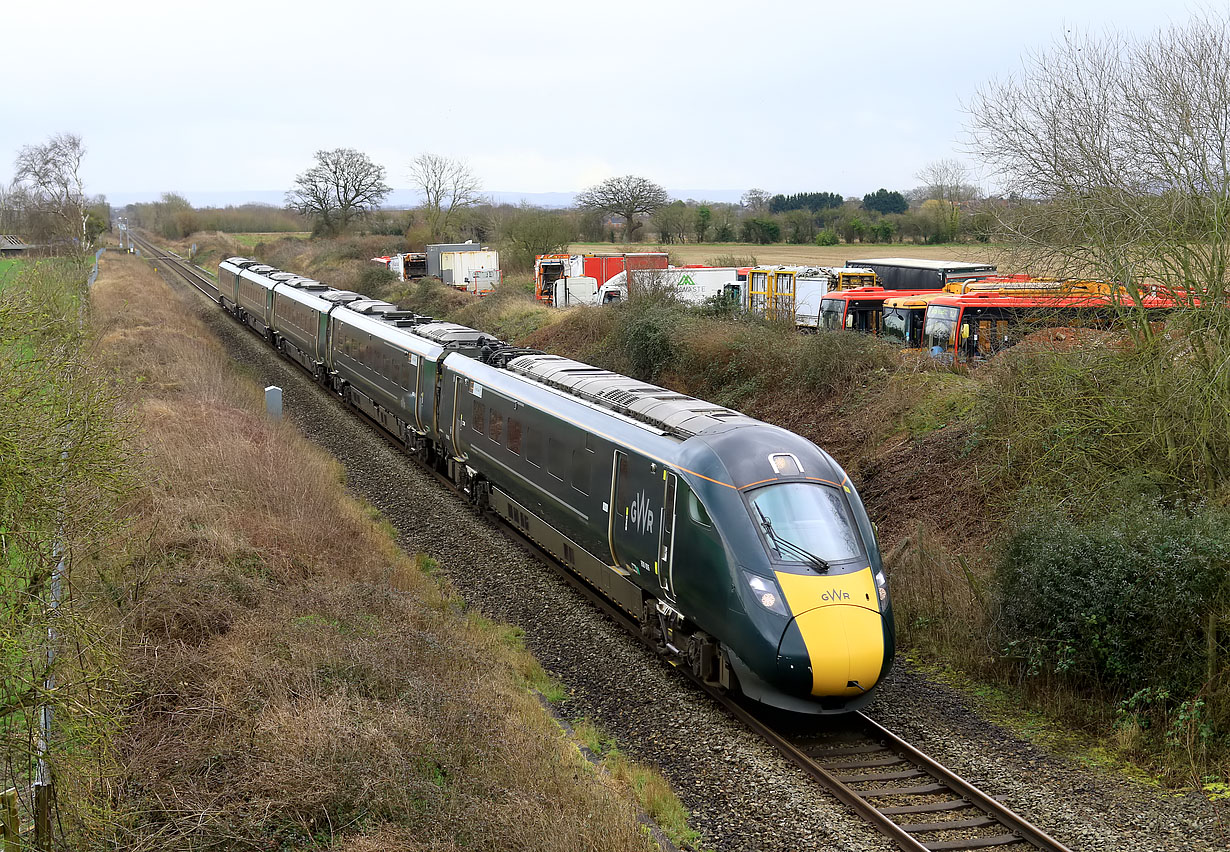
(11, 822)
(42, 817)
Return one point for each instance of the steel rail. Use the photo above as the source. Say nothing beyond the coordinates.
(1017, 830)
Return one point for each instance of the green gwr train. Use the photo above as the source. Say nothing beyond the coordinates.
(742, 549)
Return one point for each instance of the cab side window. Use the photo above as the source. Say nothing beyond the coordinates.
(696, 511)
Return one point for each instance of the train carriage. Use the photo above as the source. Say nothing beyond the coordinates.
(300, 319)
(384, 371)
(229, 271)
(675, 508)
(254, 297)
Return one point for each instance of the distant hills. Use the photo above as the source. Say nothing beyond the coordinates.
(400, 198)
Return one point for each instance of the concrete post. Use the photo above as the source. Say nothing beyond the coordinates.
(273, 402)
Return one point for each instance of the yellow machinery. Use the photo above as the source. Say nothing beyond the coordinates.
(795, 292)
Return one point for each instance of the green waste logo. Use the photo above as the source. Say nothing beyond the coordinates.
(686, 281)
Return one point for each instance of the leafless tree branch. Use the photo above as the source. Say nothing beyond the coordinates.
(343, 186)
(447, 186)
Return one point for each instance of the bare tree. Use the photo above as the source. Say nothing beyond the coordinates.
(626, 196)
(946, 186)
(48, 184)
(447, 186)
(755, 200)
(947, 180)
(1115, 155)
(343, 186)
(532, 231)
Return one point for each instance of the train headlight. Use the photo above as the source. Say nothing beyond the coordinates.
(882, 587)
(767, 594)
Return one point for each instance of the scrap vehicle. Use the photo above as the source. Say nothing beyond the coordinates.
(786, 292)
(912, 273)
(549, 268)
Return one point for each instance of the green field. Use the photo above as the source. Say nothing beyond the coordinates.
(8, 270)
(249, 240)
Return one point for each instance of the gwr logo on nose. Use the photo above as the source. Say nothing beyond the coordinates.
(835, 595)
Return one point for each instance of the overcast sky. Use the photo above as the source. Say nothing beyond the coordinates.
(537, 96)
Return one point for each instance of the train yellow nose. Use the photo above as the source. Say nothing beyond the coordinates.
(845, 645)
(839, 620)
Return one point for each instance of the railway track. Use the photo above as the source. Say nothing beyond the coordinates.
(909, 797)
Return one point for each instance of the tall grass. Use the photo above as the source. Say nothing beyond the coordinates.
(297, 680)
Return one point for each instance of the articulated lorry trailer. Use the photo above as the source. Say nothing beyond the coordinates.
(912, 273)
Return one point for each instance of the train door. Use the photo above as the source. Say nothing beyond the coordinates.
(636, 517)
(457, 417)
(666, 539)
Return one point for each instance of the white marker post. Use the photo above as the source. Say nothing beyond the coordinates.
(273, 402)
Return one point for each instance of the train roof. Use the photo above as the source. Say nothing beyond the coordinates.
(341, 296)
(673, 413)
(390, 328)
(310, 284)
(312, 296)
(450, 335)
(371, 307)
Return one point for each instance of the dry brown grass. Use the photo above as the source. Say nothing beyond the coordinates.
(296, 679)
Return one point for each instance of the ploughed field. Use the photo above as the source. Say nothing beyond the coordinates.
(785, 255)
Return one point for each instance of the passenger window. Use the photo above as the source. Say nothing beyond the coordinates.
(497, 426)
(480, 417)
(533, 446)
(555, 459)
(580, 470)
(514, 435)
(696, 511)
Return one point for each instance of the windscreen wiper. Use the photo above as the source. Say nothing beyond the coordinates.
(789, 549)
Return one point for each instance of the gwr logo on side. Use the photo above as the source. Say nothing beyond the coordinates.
(639, 515)
(835, 595)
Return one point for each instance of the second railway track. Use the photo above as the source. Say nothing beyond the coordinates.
(910, 798)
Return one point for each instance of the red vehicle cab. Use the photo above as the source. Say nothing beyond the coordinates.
(858, 309)
(977, 325)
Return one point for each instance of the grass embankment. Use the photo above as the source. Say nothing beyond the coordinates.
(295, 679)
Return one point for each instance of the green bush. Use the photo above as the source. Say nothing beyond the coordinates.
(827, 237)
(1114, 418)
(831, 361)
(761, 231)
(1130, 602)
(374, 279)
(648, 336)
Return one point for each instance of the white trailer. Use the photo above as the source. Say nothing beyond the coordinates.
(690, 284)
(477, 271)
